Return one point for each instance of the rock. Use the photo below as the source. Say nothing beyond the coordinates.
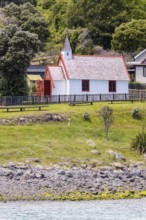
(70, 175)
(83, 166)
(93, 165)
(39, 175)
(91, 143)
(118, 165)
(11, 165)
(62, 172)
(40, 167)
(19, 173)
(119, 157)
(96, 152)
(27, 161)
(36, 160)
(111, 153)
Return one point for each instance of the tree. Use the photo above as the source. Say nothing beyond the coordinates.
(17, 48)
(29, 19)
(103, 16)
(106, 114)
(130, 37)
(17, 2)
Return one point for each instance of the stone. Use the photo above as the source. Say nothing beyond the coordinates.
(93, 165)
(96, 152)
(119, 157)
(10, 165)
(36, 160)
(91, 143)
(40, 167)
(110, 153)
(62, 172)
(118, 165)
(70, 175)
(83, 166)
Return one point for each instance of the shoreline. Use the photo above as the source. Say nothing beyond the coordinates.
(36, 183)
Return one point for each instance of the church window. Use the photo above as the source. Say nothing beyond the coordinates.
(85, 85)
(112, 86)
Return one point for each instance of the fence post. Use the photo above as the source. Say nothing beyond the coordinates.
(125, 97)
(59, 99)
(87, 97)
(141, 97)
(74, 98)
(99, 97)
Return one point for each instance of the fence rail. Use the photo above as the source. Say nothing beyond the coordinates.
(134, 95)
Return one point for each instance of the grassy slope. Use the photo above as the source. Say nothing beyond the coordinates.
(56, 142)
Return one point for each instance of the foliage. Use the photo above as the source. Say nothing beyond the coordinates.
(130, 37)
(106, 114)
(138, 144)
(101, 17)
(136, 113)
(29, 19)
(17, 48)
(17, 2)
(86, 116)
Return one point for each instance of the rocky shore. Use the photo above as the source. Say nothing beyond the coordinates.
(27, 182)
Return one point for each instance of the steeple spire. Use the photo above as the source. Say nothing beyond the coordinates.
(66, 50)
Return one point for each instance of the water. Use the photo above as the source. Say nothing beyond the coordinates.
(96, 210)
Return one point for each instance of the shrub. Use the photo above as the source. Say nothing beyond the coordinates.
(138, 144)
(86, 116)
(136, 113)
(106, 114)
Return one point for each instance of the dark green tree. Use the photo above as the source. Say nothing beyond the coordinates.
(17, 2)
(29, 19)
(130, 37)
(17, 48)
(103, 16)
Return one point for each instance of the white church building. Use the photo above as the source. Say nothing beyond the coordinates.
(85, 74)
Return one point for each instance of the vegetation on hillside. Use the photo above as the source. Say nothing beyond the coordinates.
(89, 23)
(93, 26)
(56, 142)
(98, 18)
(24, 35)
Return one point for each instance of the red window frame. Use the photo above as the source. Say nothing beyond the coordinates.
(85, 85)
(112, 86)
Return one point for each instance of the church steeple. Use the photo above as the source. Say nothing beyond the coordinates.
(66, 50)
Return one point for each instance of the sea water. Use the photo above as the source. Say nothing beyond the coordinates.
(92, 210)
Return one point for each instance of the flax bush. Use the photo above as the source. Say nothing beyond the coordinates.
(136, 113)
(138, 144)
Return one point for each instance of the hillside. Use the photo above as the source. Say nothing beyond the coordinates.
(60, 143)
(89, 23)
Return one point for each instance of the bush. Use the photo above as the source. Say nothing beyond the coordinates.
(136, 114)
(138, 144)
(86, 116)
(106, 113)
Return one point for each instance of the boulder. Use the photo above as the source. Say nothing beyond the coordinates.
(91, 143)
(95, 152)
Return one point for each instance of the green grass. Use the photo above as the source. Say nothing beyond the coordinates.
(58, 142)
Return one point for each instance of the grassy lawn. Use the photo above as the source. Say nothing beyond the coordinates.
(58, 142)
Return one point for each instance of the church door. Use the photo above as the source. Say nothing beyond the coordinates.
(47, 87)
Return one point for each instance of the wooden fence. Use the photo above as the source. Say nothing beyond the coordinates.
(134, 95)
